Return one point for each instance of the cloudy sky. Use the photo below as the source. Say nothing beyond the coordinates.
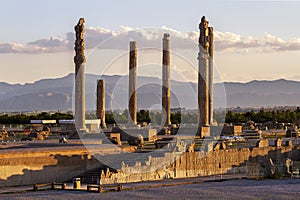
(253, 39)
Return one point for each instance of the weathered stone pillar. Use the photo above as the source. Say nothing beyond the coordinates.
(101, 102)
(211, 75)
(132, 83)
(79, 61)
(166, 115)
(203, 76)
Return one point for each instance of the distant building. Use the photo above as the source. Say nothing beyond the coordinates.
(92, 125)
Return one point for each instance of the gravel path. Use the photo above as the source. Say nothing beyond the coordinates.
(233, 189)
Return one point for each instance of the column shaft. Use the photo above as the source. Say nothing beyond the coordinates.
(166, 114)
(203, 74)
(203, 99)
(132, 105)
(101, 102)
(211, 75)
(79, 61)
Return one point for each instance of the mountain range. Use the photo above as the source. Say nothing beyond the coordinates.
(57, 94)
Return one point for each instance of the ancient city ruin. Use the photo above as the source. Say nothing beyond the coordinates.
(151, 154)
(183, 159)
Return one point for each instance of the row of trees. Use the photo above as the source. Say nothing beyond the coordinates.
(281, 116)
(25, 119)
(142, 116)
(111, 118)
(285, 116)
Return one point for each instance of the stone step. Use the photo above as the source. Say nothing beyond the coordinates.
(115, 162)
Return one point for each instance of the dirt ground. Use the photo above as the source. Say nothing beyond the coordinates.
(232, 189)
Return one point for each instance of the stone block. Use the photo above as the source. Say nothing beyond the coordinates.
(289, 143)
(278, 142)
(232, 130)
(204, 131)
(115, 137)
(152, 135)
(262, 143)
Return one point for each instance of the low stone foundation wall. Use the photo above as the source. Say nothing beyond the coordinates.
(245, 161)
(46, 165)
(25, 167)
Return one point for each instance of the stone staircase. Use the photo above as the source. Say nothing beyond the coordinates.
(91, 176)
(114, 163)
(130, 159)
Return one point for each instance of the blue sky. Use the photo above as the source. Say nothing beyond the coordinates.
(31, 20)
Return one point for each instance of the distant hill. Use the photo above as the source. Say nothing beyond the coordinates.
(263, 93)
(56, 94)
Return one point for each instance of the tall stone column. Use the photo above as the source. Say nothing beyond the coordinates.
(211, 75)
(166, 115)
(203, 76)
(101, 102)
(79, 61)
(132, 83)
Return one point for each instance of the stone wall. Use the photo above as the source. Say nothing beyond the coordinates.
(193, 164)
(25, 167)
(45, 165)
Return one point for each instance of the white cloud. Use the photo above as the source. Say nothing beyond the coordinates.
(272, 40)
(269, 43)
(97, 37)
(233, 42)
(275, 44)
(20, 48)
